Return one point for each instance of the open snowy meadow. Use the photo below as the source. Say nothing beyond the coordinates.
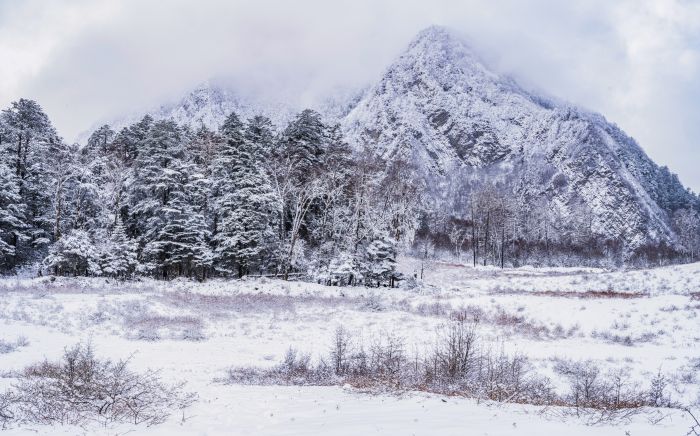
(229, 341)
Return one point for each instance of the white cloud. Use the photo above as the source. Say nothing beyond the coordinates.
(31, 30)
(635, 61)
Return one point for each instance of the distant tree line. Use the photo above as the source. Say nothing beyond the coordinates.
(500, 220)
(163, 200)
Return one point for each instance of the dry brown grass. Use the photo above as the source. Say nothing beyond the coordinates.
(607, 294)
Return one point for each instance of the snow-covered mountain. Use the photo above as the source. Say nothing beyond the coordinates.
(440, 106)
(210, 103)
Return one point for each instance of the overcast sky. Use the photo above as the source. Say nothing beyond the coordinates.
(635, 61)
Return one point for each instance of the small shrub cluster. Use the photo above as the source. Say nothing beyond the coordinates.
(152, 327)
(583, 295)
(512, 323)
(459, 364)
(627, 340)
(10, 346)
(612, 394)
(80, 388)
(245, 302)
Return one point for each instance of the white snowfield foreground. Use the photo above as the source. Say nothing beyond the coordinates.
(643, 321)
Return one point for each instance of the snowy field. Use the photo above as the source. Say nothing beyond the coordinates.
(644, 321)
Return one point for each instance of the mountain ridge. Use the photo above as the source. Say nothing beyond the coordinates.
(439, 106)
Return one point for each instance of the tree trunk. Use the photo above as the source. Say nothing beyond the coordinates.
(486, 237)
(503, 243)
(19, 155)
(59, 212)
(288, 262)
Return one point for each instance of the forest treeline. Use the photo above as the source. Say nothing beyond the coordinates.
(162, 200)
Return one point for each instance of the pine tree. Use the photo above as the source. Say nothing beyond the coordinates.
(101, 142)
(260, 133)
(74, 254)
(29, 127)
(120, 253)
(380, 261)
(155, 179)
(90, 190)
(12, 219)
(30, 142)
(166, 204)
(246, 204)
(180, 245)
(127, 143)
(202, 149)
(304, 141)
(198, 189)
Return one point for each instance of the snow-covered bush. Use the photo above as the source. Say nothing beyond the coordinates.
(460, 363)
(81, 388)
(380, 262)
(119, 254)
(74, 254)
(374, 265)
(10, 346)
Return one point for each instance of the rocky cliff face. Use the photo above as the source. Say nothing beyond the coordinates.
(438, 105)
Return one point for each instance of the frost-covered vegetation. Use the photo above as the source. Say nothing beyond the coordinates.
(157, 199)
(460, 364)
(454, 253)
(81, 388)
(481, 347)
(442, 154)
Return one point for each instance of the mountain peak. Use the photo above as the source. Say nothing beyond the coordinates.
(441, 107)
(440, 39)
(433, 33)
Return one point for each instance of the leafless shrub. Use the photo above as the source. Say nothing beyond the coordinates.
(8, 347)
(460, 364)
(455, 353)
(506, 378)
(626, 340)
(433, 309)
(7, 403)
(373, 303)
(340, 351)
(608, 396)
(695, 426)
(80, 388)
(149, 326)
(296, 369)
(520, 324)
(456, 366)
(387, 357)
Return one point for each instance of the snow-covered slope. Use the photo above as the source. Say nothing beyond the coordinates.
(441, 107)
(210, 103)
(643, 325)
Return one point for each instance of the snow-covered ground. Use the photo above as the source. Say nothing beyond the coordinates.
(645, 321)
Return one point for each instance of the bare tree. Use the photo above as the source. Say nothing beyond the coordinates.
(301, 195)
